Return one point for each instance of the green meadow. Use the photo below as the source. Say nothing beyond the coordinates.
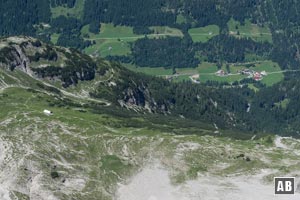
(112, 40)
(76, 12)
(203, 34)
(253, 31)
(270, 67)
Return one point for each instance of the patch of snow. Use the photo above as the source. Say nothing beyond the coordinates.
(75, 184)
(5, 180)
(112, 83)
(153, 183)
(125, 150)
(4, 194)
(216, 127)
(17, 40)
(2, 45)
(43, 65)
(188, 146)
(249, 107)
(278, 143)
(37, 192)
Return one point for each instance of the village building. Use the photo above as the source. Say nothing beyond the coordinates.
(257, 76)
(264, 73)
(247, 72)
(221, 72)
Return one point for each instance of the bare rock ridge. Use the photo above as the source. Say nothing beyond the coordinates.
(41, 60)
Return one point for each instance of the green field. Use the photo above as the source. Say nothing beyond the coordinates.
(257, 33)
(112, 40)
(203, 34)
(207, 73)
(270, 67)
(76, 12)
(155, 71)
(109, 31)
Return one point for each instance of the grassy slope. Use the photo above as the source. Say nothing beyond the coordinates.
(90, 147)
(92, 152)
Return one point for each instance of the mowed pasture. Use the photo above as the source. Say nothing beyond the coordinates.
(155, 71)
(203, 34)
(249, 30)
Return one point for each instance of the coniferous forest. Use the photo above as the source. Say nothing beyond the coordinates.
(282, 17)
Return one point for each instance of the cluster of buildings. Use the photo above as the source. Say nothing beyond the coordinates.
(253, 74)
(221, 72)
(249, 72)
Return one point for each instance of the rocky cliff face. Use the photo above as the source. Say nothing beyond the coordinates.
(41, 60)
(140, 99)
(16, 59)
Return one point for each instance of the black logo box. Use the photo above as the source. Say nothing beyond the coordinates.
(284, 185)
